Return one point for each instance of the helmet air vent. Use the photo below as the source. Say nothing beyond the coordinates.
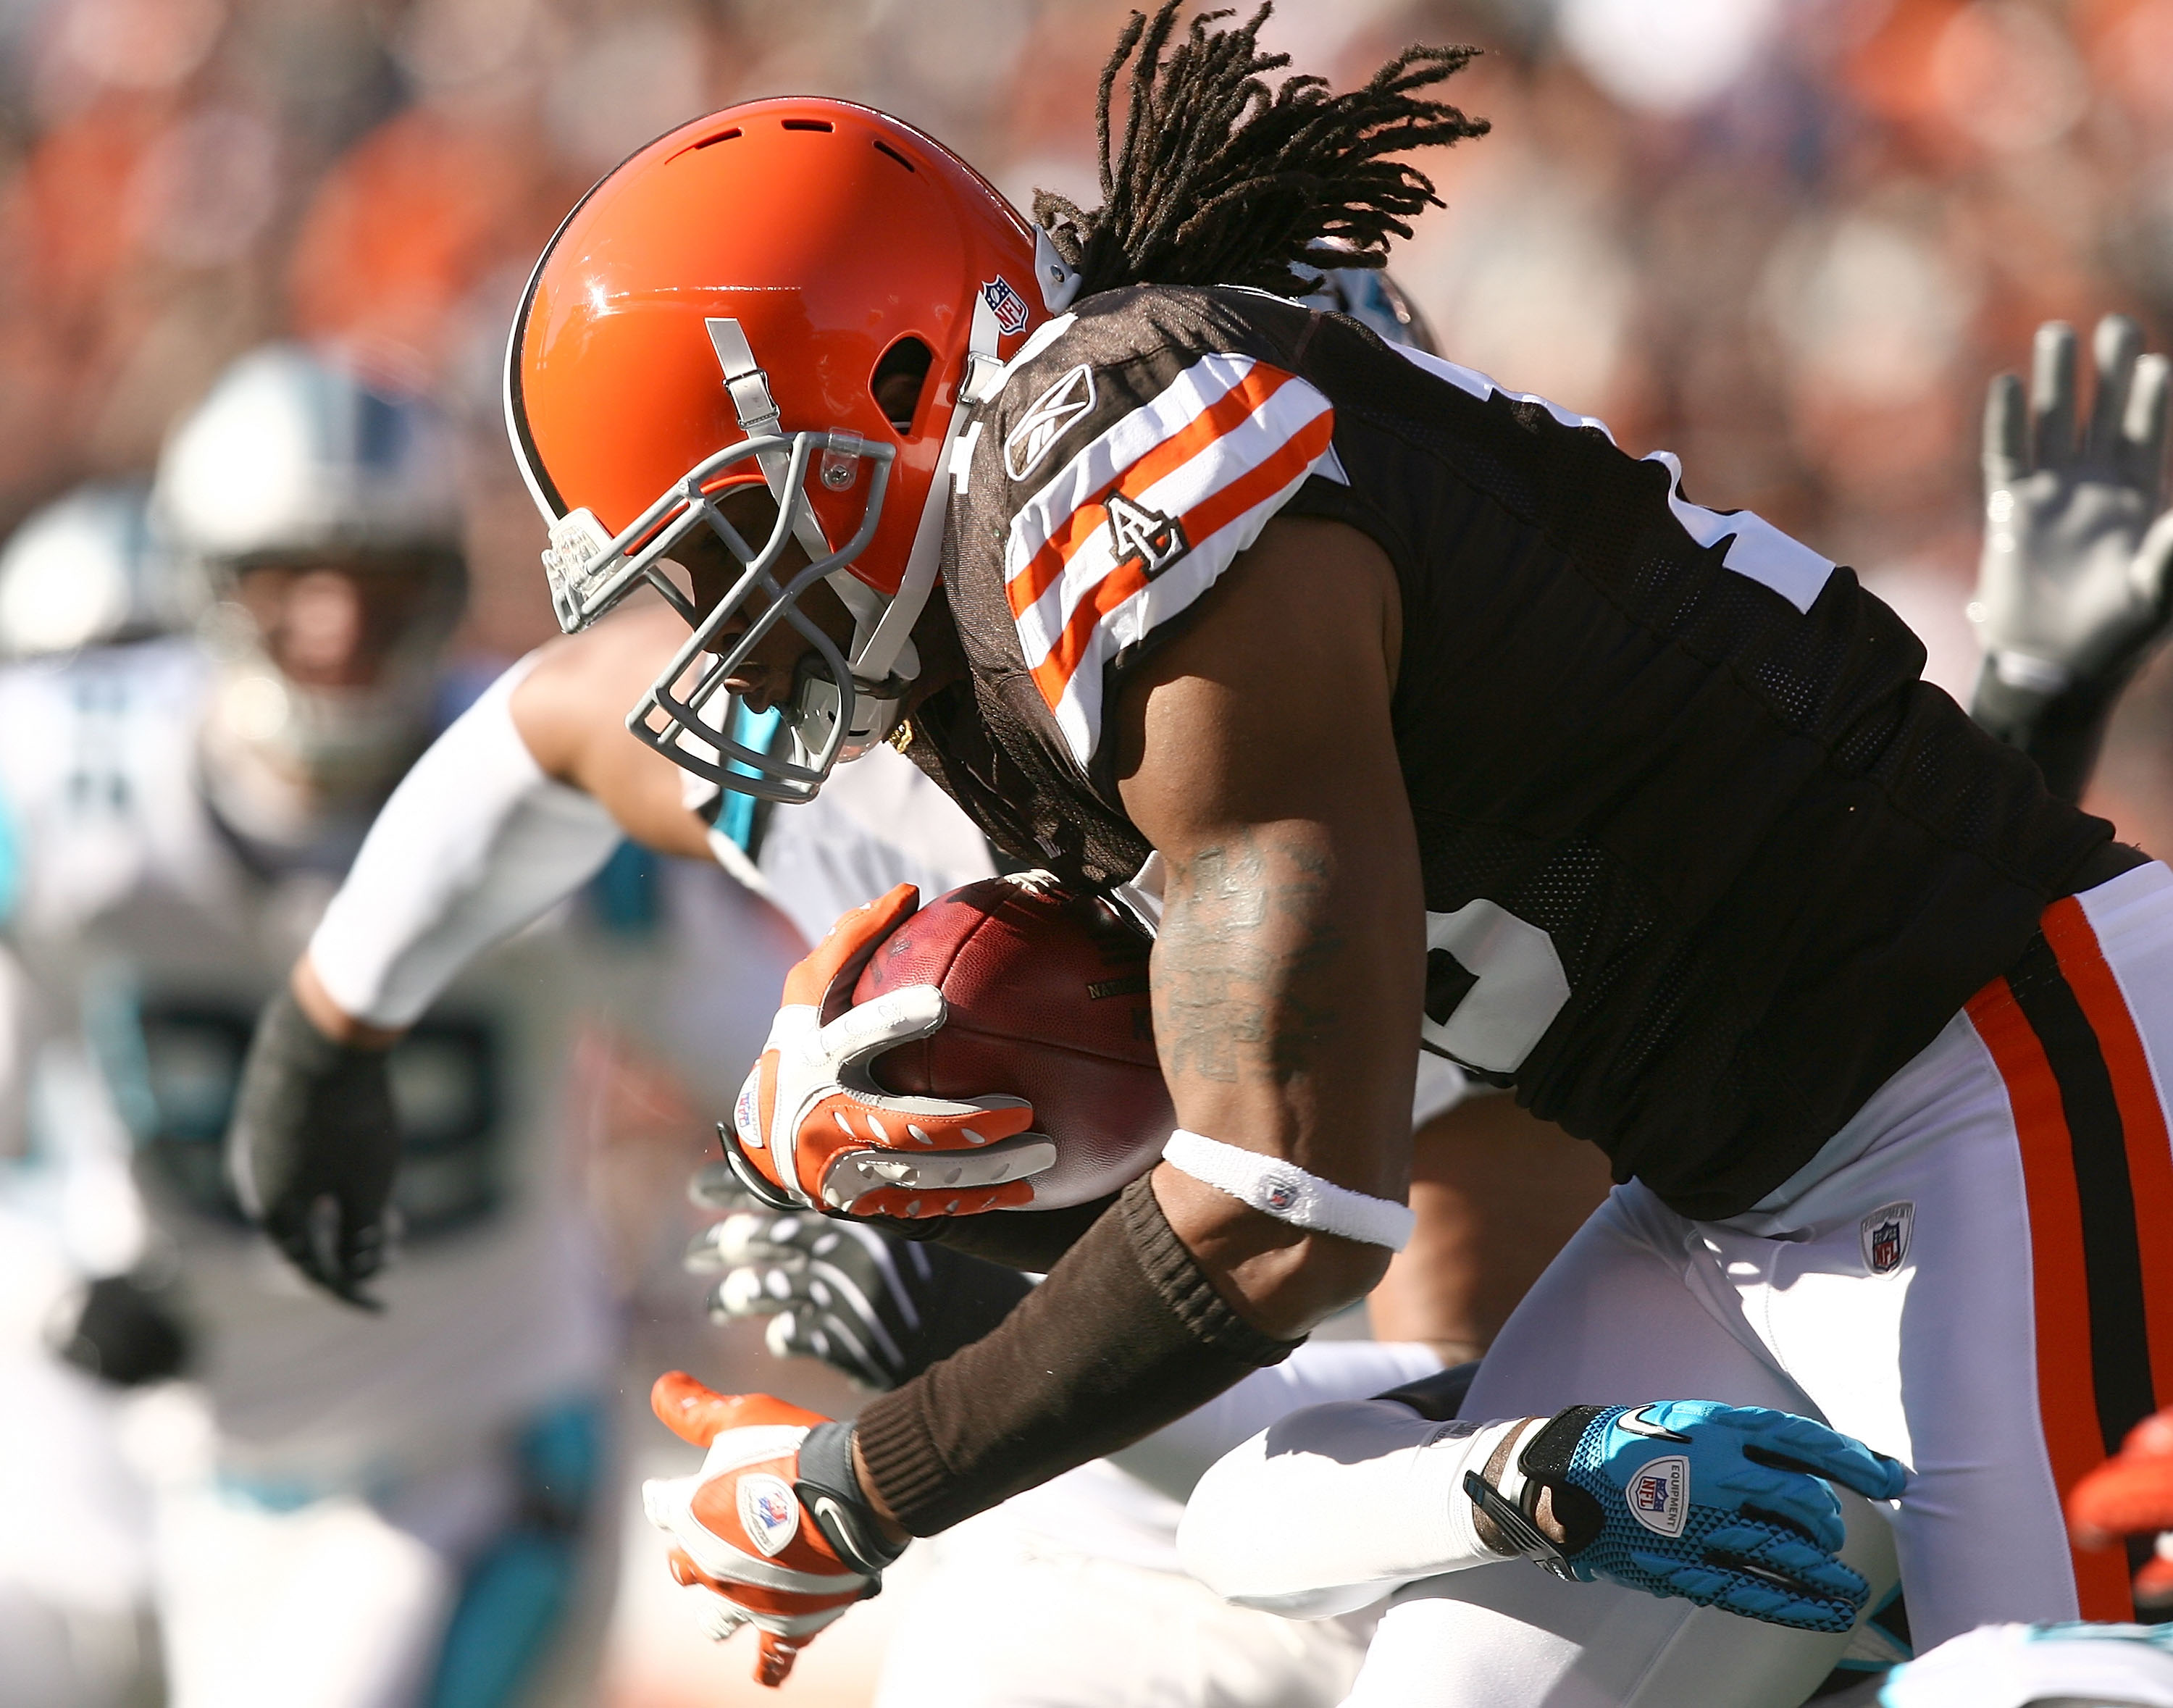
(882, 147)
(898, 381)
(721, 137)
(807, 125)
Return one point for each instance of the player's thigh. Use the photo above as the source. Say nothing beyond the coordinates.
(1510, 1636)
(1496, 1193)
(1614, 1322)
(325, 1607)
(1000, 1624)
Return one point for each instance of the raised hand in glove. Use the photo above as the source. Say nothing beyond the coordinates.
(878, 1307)
(812, 1128)
(773, 1525)
(2073, 586)
(1721, 1505)
(313, 1149)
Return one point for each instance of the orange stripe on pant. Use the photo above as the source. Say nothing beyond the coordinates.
(2141, 1119)
(2067, 1400)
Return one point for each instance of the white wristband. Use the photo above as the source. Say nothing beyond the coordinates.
(1288, 1192)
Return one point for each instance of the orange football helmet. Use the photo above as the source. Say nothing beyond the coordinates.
(801, 293)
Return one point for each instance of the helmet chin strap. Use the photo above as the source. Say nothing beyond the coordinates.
(749, 386)
(886, 650)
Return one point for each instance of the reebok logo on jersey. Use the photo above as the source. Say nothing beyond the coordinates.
(1659, 1495)
(1148, 537)
(768, 1512)
(1045, 421)
(1008, 305)
(1886, 1236)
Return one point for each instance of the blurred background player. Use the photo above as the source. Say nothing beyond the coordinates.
(378, 1509)
(463, 853)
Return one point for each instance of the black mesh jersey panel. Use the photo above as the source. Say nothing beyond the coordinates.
(1770, 861)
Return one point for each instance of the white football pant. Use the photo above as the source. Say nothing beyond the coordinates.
(1975, 1277)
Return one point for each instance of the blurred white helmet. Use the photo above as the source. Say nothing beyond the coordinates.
(294, 463)
(1368, 295)
(291, 456)
(86, 570)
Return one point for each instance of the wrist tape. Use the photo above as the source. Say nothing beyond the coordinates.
(1286, 1191)
(830, 1489)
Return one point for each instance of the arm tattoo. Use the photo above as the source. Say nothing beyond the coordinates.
(1247, 933)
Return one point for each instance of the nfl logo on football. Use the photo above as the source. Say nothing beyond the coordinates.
(1008, 305)
(1886, 1236)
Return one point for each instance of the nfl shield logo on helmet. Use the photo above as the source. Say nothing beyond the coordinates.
(1885, 1235)
(1007, 305)
(1659, 1495)
(770, 1512)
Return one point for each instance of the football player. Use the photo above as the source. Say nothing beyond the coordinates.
(396, 1509)
(420, 902)
(2073, 594)
(473, 844)
(1431, 715)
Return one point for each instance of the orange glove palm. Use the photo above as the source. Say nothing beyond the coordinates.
(814, 1130)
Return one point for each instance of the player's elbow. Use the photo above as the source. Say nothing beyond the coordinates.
(1298, 1283)
(1284, 1280)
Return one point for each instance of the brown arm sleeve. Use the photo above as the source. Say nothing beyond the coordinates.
(1020, 1239)
(1125, 1335)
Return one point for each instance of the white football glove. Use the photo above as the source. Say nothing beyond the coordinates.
(2073, 586)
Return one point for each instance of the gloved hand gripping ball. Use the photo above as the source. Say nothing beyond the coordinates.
(772, 1525)
(812, 1128)
(1721, 1504)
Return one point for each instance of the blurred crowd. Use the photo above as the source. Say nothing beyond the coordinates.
(1789, 240)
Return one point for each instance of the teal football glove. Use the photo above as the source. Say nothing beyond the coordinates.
(1721, 1504)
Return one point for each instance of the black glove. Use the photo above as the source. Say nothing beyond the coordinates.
(876, 1307)
(314, 1147)
(126, 1334)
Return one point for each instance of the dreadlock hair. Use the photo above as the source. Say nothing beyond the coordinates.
(1221, 181)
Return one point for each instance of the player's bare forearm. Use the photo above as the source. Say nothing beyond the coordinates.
(571, 713)
(1258, 758)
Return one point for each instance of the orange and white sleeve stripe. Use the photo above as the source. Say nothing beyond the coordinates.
(1218, 451)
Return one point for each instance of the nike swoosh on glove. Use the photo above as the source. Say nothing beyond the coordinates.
(812, 1128)
(2131, 1494)
(739, 1529)
(1721, 1505)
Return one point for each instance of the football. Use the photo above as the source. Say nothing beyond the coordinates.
(1047, 995)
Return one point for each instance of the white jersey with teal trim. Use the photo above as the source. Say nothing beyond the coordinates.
(150, 937)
